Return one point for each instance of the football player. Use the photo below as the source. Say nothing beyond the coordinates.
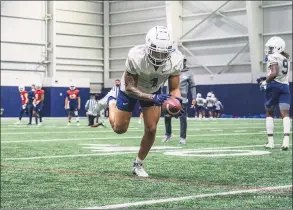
(276, 87)
(210, 104)
(30, 107)
(103, 103)
(218, 109)
(200, 109)
(72, 103)
(24, 101)
(147, 68)
(187, 83)
(38, 103)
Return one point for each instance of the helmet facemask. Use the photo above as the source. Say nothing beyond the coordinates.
(159, 56)
(72, 87)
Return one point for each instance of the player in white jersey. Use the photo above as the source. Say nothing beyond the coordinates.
(218, 109)
(276, 87)
(199, 107)
(210, 101)
(147, 68)
(103, 103)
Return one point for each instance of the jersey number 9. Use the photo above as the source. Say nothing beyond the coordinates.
(285, 67)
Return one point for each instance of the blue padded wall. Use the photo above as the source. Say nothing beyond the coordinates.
(238, 100)
(53, 105)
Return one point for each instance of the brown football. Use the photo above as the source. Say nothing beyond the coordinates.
(171, 106)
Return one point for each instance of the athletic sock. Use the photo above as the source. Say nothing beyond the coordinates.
(286, 125)
(270, 129)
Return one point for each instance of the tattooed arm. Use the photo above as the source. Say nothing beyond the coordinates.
(132, 89)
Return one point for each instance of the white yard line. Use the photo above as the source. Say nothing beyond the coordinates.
(127, 137)
(69, 156)
(176, 199)
(121, 153)
(101, 130)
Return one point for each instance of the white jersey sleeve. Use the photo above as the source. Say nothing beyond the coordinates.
(284, 67)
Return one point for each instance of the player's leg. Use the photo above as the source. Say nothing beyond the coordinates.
(76, 116)
(69, 115)
(120, 112)
(151, 118)
(20, 116)
(30, 113)
(271, 100)
(168, 127)
(140, 117)
(284, 105)
(183, 125)
(40, 112)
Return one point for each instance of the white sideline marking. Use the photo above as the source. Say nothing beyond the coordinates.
(128, 137)
(239, 131)
(120, 153)
(150, 202)
(66, 156)
(111, 131)
(130, 128)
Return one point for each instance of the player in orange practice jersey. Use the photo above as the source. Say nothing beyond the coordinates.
(72, 103)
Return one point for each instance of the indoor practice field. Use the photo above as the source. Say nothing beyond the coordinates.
(223, 165)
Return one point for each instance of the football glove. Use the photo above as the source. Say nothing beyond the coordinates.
(160, 98)
(262, 83)
(24, 106)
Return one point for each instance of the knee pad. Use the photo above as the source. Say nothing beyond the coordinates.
(284, 106)
(75, 113)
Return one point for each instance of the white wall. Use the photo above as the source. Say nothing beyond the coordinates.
(22, 42)
(129, 23)
(79, 41)
(75, 36)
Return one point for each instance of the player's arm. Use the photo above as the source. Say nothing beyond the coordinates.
(192, 87)
(174, 86)
(78, 102)
(66, 101)
(26, 98)
(274, 69)
(42, 97)
(132, 89)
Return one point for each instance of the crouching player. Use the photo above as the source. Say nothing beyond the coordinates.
(72, 103)
(38, 103)
(147, 68)
(24, 101)
(276, 87)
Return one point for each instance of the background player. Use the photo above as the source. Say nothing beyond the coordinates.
(72, 103)
(24, 101)
(38, 103)
(186, 82)
(103, 103)
(199, 108)
(276, 87)
(210, 104)
(147, 68)
(218, 109)
(30, 107)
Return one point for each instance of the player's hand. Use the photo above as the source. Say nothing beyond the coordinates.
(160, 98)
(193, 102)
(263, 86)
(78, 107)
(260, 80)
(181, 111)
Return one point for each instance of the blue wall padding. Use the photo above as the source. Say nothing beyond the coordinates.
(239, 100)
(53, 105)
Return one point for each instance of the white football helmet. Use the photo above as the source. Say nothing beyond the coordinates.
(159, 45)
(38, 87)
(209, 94)
(21, 88)
(72, 87)
(198, 95)
(274, 45)
(213, 96)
